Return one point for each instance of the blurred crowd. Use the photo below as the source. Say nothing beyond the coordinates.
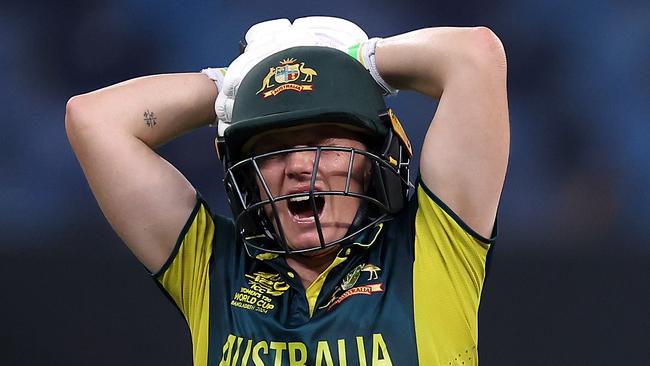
(579, 87)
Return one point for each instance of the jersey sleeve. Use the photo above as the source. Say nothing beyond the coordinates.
(448, 274)
(185, 276)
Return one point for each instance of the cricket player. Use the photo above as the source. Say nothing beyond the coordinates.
(334, 255)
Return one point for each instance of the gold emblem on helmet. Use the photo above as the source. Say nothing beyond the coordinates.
(291, 75)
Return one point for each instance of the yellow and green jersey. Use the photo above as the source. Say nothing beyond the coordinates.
(407, 293)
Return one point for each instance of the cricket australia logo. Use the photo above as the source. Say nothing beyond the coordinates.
(347, 287)
(290, 75)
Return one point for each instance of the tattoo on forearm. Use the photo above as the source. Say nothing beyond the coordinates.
(150, 118)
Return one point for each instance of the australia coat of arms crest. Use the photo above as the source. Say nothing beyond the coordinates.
(289, 75)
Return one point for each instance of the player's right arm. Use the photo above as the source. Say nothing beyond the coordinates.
(114, 132)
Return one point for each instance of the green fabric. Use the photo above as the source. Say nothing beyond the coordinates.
(354, 51)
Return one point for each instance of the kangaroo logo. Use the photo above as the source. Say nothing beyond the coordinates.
(266, 83)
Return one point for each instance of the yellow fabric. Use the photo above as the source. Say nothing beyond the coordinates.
(187, 280)
(448, 276)
(314, 289)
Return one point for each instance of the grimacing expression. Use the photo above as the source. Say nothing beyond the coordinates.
(291, 173)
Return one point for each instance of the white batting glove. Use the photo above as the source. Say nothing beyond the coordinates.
(266, 38)
(348, 37)
(332, 32)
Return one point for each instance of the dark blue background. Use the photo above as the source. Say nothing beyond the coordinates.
(568, 284)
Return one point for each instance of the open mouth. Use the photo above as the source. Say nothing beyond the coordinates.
(301, 208)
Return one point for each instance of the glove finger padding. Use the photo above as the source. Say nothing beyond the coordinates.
(332, 32)
(261, 31)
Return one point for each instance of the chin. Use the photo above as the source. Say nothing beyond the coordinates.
(310, 239)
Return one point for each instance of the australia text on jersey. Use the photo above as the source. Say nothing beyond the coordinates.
(364, 351)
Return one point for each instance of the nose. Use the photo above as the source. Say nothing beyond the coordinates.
(300, 164)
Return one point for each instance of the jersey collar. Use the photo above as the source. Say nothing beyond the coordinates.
(365, 240)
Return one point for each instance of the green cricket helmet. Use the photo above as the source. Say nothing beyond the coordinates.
(303, 86)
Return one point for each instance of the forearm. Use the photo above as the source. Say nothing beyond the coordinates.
(429, 60)
(153, 109)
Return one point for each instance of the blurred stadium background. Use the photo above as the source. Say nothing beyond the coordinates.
(569, 278)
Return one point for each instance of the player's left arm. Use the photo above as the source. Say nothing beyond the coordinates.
(465, 152)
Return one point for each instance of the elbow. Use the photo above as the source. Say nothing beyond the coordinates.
(76, 116)
(485, 50)
(70, 110)
(465, 51)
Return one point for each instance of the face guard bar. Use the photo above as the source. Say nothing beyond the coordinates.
(385, 195)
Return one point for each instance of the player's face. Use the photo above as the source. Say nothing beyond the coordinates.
(291, 173)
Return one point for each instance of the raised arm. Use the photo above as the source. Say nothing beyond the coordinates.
(465, 152)
(113, 132)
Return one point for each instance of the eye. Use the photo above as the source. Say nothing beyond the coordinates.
(269, 160)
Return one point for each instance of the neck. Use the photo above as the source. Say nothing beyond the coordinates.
(309, 267)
